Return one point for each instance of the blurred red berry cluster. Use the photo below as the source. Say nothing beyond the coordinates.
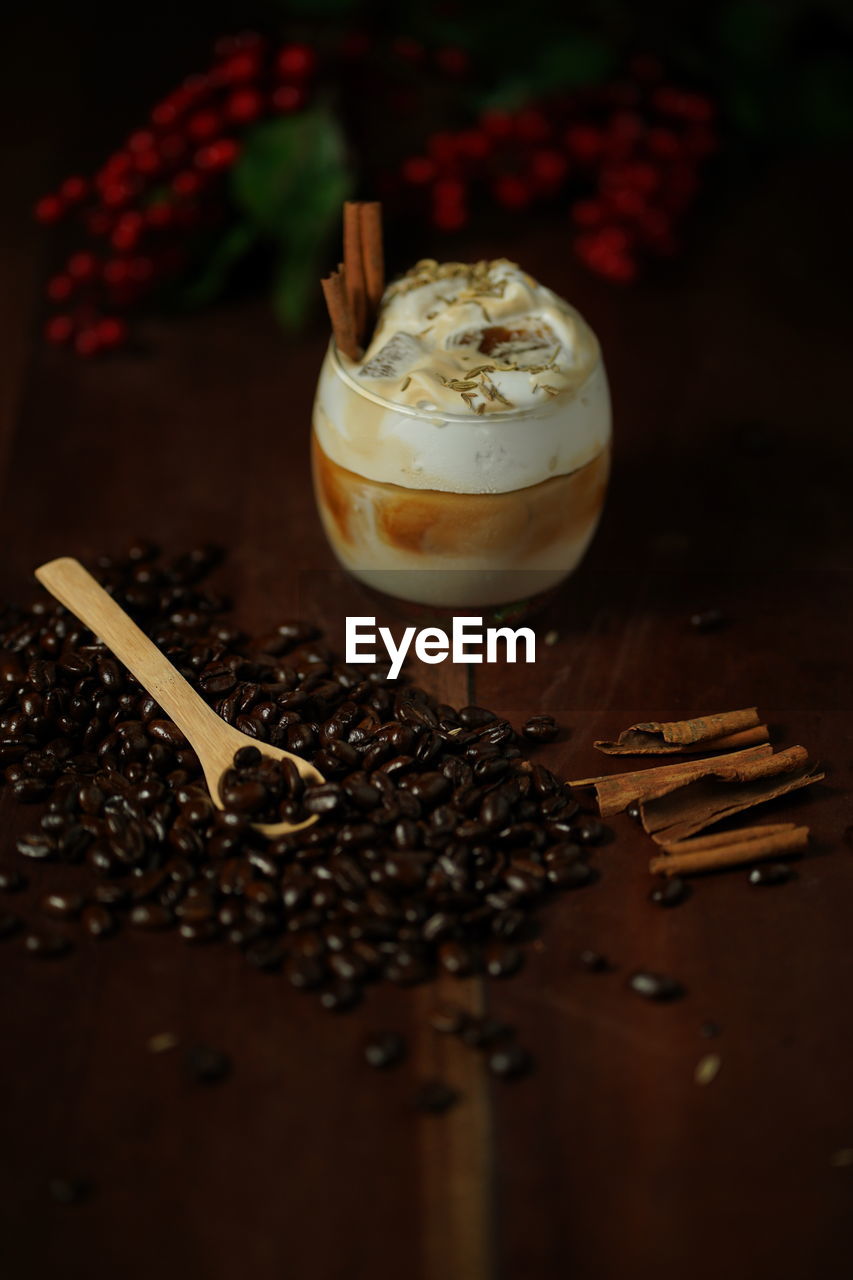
(625, 156)
(139, 212)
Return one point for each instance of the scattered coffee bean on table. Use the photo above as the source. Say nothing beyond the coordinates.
(70, 1190)
(655, 986)
(384, 1049)
(540, 729)
(771, 873)
(510, 1061)
(205, 1065)
(435, 1096)
(671, 892)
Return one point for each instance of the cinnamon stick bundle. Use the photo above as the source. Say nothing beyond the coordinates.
(730, 848)
(726, 790)
(615, 791)
(353, 292)
(722, 732)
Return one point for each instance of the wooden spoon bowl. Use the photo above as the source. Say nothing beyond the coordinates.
(213, 741)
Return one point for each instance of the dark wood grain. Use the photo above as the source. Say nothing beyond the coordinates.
(731, 490)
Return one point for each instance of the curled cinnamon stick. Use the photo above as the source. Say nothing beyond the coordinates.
(721, 732)
(337, 301)
(354, 267)
(373, 256)
(725, 791)
(730, 849)
(615, 791)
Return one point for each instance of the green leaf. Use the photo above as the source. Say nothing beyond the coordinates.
(290, 182)
(213, 276)
(579, 60)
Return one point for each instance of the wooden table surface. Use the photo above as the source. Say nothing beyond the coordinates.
(731, 490)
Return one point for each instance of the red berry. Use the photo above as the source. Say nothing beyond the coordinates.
(646, 68)
(449, 217)
(59, 329)
(497, 123)
(111, 331)
(355, 44)
(625, 127)
(409, 50)
(242, 67)
(81, 266)
(296, 60)
(587, 213)
(127, 231)
(185, 183)
(49, 209)
(159, 215)
(418, 170)
(548, 167)
(115, 194)
(148, 162)
(142, 140)
(288, 97)
(443, 147)
(87, 343)
(663, 142)
(73, 189)
(218, 155)
(59, 288)
(532, 125)
(98, 222)
(172, 147)
(244, 105)
(627, 202)
(584, 142)
(115, 271)
(473, 143)
(453, 60)
(166, 113)
(449, 192)
(511, 191)
(204, 124)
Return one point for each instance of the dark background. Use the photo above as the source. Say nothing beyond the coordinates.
(730, 371)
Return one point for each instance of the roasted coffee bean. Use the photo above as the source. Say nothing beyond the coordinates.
(45, 944)
(670, 893)
(305, 972)
(540, 728)
(510, 1061)
(435, 1097)
(449, 1019)
(9, 924)
(590, 831)
(502, 960)
(384, 1049)
(63, 906)
(770, 873)
(11, 880)
(98, 921)
(708, 620)
(481, 1033)
(151, 915)
(205, 1065)
(457, 958)
(571, 875)
(594, 962)
(655, 986)
(70, 1190)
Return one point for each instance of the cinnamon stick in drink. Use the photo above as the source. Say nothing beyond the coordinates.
(725, 731)
(340, 314)
(354, 267)
(373, 256)
(730, 849)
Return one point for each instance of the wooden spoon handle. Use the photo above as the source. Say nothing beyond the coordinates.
(73, 586)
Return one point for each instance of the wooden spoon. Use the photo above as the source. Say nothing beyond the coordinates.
(213, 740)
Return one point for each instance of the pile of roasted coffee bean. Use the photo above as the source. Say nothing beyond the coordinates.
(436, 839)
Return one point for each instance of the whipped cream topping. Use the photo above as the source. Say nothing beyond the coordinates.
(478, 338)
(477, 380)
